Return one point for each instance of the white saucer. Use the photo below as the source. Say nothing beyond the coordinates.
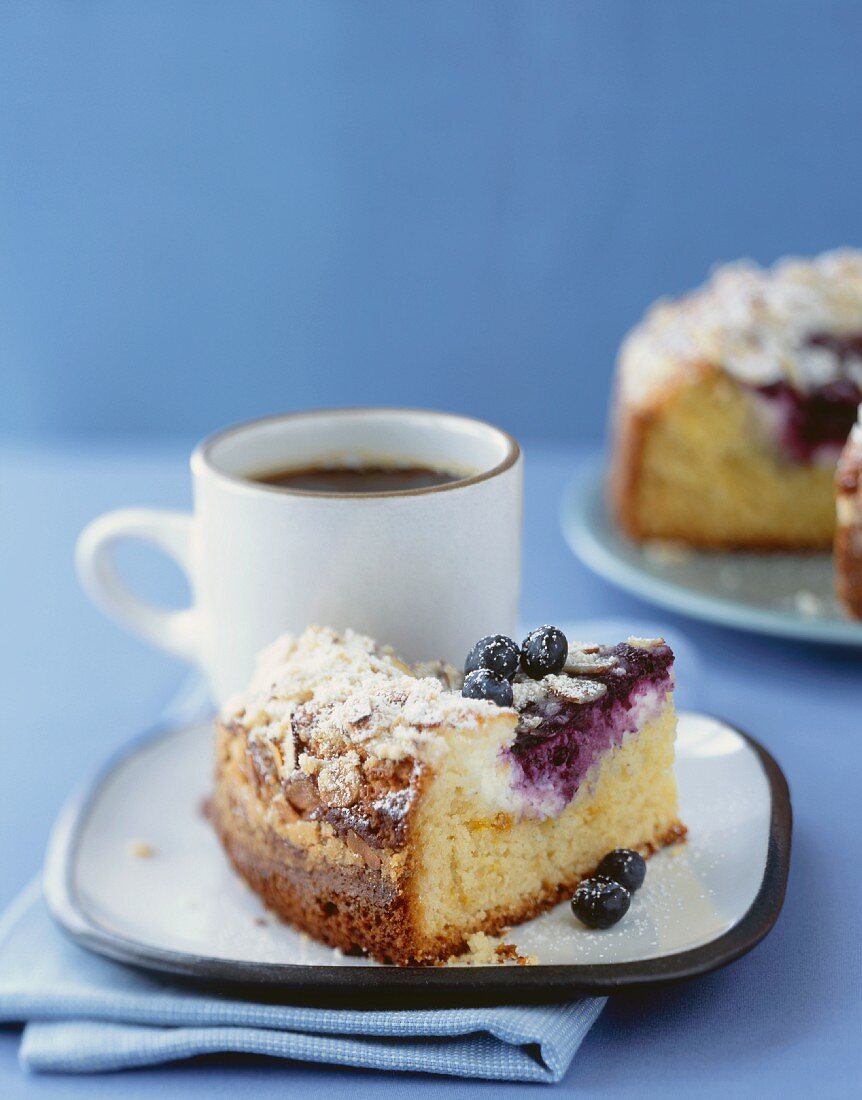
(183, 909)
(791, 595)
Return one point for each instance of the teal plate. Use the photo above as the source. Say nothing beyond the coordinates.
(790, 595)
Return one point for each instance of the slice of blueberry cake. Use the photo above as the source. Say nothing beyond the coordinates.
(397, 811)
(733, 403)
(848, 531)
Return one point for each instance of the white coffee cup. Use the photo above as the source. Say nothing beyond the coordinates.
(428, 571)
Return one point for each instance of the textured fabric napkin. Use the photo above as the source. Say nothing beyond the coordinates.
(85, 1014)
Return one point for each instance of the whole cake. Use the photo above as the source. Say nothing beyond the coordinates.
(380, 809)
(733, 403)
(848, 531)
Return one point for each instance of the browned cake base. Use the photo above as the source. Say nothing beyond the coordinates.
(356, 908)
(339, 906)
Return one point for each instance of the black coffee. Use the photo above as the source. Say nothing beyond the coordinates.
(357, 479)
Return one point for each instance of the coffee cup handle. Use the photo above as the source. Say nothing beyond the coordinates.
(167, 530)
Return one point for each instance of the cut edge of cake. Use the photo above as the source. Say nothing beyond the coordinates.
(698, 467)
(848, 530)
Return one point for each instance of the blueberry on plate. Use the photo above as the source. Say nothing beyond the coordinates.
(484, 684)
(495, 652)
(544, 651)
(600, 903)
(624, 866)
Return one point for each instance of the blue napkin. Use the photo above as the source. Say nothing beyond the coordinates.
(85, 1014)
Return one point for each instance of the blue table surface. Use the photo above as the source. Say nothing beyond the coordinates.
(786, 1020)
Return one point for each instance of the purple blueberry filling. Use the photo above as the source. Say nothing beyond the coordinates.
(552, 759)
(820, 418)
(812, 421)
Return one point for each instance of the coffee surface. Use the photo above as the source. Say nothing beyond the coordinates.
(357, 479)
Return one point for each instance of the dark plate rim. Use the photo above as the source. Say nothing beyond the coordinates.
(419, 984)
(584, 499)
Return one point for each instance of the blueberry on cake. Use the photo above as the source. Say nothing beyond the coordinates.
(398, 811)
(733, 404)
(848, 531)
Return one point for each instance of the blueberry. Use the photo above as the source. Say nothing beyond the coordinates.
(495, 652)
(484, 684)
(544, 651)
(598, 903)
(624, 866)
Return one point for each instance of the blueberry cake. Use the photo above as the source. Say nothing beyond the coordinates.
(397, 811)
(733, 403)
(848, 531)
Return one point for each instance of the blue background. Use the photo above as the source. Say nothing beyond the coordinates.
(215, 210)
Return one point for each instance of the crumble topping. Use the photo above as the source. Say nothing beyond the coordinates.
(338, 780)
(585, 659)
(527, 692)
(450, 677)
(338, 722)
(140, 849)
(322, 695)
(757, 323)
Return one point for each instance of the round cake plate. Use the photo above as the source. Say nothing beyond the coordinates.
(182, 910)
(789, 595)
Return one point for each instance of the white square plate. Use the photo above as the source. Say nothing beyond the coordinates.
(185, 911)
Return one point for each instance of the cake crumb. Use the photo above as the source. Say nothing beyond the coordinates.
(667, 552)
(485, 950)
(806, 603)
(139, 849)
(508, 952)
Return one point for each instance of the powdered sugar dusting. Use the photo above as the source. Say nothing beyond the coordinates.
(756, 323)
(336, 693)
(573, 689)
